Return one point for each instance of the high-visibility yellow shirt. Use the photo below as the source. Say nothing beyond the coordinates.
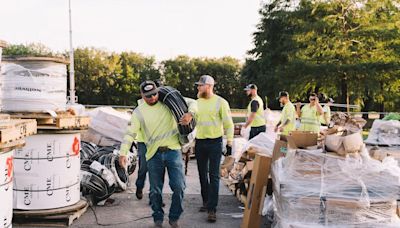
(309, 120)
(157, 126)
(288, 114)
(139, 136)
(327, 114)
(212, 117)
(259, 119)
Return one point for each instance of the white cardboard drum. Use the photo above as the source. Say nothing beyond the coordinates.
(46, 172)
(6, 186)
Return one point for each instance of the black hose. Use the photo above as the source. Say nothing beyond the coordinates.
(173, 99)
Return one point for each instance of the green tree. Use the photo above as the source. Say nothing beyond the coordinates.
(345, 48)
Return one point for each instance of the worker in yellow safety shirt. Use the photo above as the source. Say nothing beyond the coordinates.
(325, 119)
(212, 118)
(287, 122)
(310, 114)
(255, 112)
(156, 123)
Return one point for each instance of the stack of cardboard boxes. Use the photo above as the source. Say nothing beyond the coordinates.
(315, 187)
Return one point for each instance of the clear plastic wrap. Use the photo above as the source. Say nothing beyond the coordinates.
(33, 86)
(384, 132)
(317, 189)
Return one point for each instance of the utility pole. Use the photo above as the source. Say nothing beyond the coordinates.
(72, 97)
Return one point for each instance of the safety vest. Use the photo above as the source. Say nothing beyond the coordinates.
(157, 126)
(259, 119)
(327, 113)
(212, 117)
(288, 113)
(309, 120)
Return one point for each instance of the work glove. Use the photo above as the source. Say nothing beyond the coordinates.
(228, 151)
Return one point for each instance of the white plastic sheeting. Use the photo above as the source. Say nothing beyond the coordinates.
(33, 86)
(316, 189)
(109, 123)
(384, 132)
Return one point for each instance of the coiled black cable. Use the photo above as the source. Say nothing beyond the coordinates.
(93, 184)
(173, 99)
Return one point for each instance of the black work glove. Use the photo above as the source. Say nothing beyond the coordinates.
(228, 150)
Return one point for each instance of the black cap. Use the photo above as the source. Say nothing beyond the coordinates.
(282, 94)
(313, 95)
(250, 86)
(148, 87)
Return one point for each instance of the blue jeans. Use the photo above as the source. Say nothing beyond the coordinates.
(254, 131)
(208, 155)
(141, 178)
(172, 161)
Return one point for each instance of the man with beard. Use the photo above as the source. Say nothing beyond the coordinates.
(159, 131)
(288, 115)
(255, 112)
(212, 117)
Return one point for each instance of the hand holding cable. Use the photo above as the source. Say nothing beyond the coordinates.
(186, 119)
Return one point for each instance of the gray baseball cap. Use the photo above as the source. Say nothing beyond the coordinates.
(205, 79)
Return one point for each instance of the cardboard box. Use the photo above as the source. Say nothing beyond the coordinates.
(302, 139)
(256, 192)
(280, 149)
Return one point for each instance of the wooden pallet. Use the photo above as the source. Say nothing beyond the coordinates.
(62, 121)
(16, 129)
(59, 217)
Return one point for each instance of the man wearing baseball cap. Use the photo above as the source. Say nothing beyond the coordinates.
(212, 117)
(255, 112)
(309, 114)
(288, 115)
(159, 131)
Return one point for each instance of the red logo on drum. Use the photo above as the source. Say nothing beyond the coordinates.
(9, 164)
(76, 146)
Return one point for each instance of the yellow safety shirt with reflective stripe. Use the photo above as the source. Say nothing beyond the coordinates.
(212, 117)
(288, 114)
(259, 119)
(157, 126)
(309, 120)
(327, 113)
(139, 137)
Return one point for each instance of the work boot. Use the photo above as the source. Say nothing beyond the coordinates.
(174, 224)
(158, 224)
(203, 208)
(139, 194)
(212, 216)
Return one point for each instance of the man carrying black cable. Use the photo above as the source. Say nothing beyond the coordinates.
(159, 129)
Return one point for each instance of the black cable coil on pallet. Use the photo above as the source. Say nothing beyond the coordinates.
(98, 184)
(101, 174)
(178, 106)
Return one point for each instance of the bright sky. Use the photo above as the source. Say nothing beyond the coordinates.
(163, 28)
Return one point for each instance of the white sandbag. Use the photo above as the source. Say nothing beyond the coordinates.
(353, 142)
(263, 143)
(334, 143)
(109, 122)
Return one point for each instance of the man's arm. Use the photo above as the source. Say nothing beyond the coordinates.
(320, 110)
(225, 113)
(298, 110)
(192, 108)
(130, 135)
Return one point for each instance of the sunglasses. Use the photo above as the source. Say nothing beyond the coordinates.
(312, 99)
(151, 95)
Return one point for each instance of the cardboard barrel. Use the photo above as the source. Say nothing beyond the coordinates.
(46, 172)
(6, 186)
